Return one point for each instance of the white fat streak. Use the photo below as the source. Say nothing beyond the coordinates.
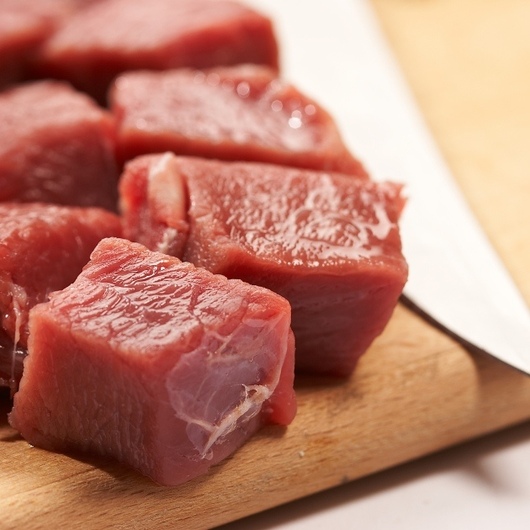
(18, 293)
(255, 397)
(168, 238)
(166, 195)
(165, 185)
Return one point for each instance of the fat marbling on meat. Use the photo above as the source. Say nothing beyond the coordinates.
(243, 112)
(327, 242)
(155, 362)
(154, 204)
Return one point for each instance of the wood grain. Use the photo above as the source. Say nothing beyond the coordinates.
(466, 61)
(416, 391)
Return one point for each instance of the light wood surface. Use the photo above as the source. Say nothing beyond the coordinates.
(416, 390)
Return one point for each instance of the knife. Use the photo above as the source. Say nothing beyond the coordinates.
(336, 52)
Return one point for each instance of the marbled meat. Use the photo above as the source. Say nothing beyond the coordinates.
(162, 365)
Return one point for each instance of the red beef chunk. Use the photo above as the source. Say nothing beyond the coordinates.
(119, 35)
(328, 243)
(241, 112)
(43, 248)
(57, 146)
(24, 27)
(162, 365)
(21, 34)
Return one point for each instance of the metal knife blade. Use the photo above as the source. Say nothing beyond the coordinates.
(336, 52)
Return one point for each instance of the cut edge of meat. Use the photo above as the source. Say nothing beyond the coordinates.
(53, 354)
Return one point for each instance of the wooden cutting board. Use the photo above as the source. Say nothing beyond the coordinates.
(416, 390)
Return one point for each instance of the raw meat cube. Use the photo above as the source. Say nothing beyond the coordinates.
(24, 27)
(328, 243)
(43, 248)
(57, 146)
(21, 34)
(232, 113)
(162, 365)
(119, 35)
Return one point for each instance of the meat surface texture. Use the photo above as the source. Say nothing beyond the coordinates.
(242, 112)
(328, 243)
(42, 249)
(159, 364)
(24, 27)
(57, 146)
(119, 35)
(21, 34)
